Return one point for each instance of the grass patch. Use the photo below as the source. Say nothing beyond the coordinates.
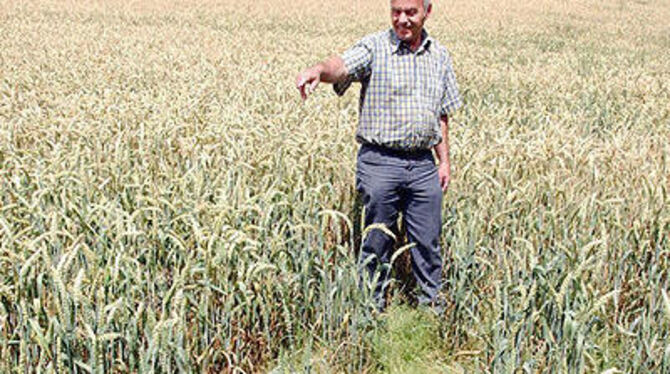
(409, 342)
(406, 340)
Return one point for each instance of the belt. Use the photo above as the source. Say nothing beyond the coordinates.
(408, 153)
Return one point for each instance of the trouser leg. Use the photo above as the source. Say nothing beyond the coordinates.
(423, 219)
(378, 182)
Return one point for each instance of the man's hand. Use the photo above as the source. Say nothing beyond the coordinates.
(329, 71)
(444, 175)
(308, 80)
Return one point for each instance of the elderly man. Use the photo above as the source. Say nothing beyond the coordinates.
(408, 91)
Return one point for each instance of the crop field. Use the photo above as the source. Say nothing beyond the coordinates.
(169, 204)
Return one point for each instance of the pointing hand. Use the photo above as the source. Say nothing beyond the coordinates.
(307, 81)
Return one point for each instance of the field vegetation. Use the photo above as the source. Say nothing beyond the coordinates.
(168, 204)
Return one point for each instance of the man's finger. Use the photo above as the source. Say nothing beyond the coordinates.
(444, 183)
(312, 86)
(303, 94)
(301, 87)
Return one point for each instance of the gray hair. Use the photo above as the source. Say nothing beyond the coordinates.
(426, 4)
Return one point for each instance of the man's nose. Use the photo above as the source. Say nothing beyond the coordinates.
(403, 17)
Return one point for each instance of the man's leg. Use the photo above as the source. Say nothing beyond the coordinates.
(377, 180)
(423, 219)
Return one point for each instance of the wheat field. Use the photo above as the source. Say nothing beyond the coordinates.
(168, 203)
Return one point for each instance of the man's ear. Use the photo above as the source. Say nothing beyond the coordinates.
(430, 9)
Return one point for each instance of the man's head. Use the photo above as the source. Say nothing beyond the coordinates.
(407, 18)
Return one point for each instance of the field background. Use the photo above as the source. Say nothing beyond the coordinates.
(168, 204)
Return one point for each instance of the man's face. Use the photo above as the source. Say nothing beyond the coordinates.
(407, 17)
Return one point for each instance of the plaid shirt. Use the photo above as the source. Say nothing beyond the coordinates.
(403, 93)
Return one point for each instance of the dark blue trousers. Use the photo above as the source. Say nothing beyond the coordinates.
(391, 182)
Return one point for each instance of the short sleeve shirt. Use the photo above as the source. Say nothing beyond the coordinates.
(403, 92)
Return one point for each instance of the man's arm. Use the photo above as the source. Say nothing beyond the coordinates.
(442, 151)
(331, 70)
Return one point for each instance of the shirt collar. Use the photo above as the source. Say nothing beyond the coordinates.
(397, 44)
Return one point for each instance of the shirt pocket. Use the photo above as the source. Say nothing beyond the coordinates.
(401, 75)
(382, 85)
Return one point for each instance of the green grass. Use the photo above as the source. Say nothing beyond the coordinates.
(409, 341)
(403, 339)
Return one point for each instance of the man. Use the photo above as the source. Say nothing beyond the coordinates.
(408, 90)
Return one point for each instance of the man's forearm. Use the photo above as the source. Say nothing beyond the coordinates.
(331, 70)
(442, 149)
